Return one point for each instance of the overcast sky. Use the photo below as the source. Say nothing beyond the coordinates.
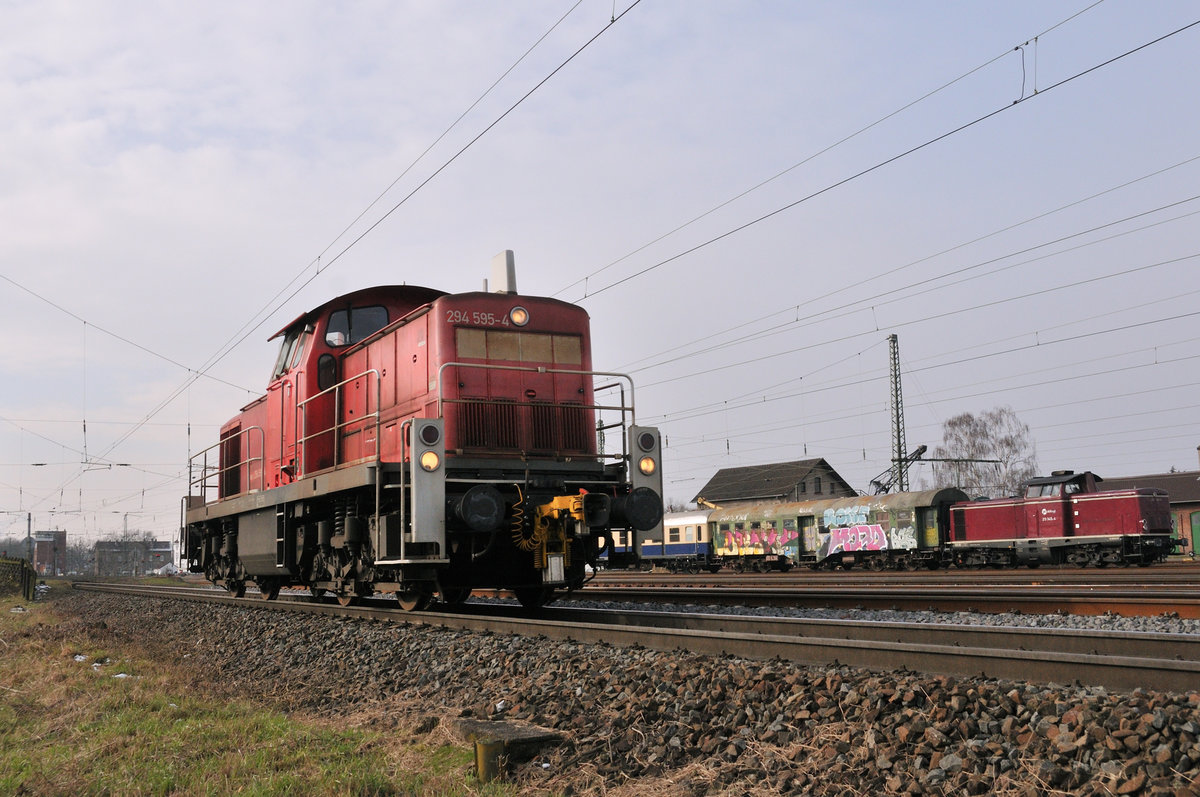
(747, 197)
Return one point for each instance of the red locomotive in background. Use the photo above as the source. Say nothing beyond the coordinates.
(416, 442)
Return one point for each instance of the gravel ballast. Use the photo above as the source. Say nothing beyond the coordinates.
(637, 720)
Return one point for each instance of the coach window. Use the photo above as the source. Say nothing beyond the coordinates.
(673, 534)
(355, 324)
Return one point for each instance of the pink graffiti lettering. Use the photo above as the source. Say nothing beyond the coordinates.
(858, 538)
(773, 540)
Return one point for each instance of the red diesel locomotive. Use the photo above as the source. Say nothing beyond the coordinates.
(419, 443)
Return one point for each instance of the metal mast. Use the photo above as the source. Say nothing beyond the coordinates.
(898, 443)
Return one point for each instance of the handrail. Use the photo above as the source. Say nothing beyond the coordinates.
(302, 436)
(544, 370)
(620, 383)
(208, 471)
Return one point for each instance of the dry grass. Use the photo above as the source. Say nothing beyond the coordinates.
(81, 713)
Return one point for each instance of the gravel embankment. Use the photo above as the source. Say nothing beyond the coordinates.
(641, 721)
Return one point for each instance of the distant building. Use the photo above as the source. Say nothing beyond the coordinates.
(803, 480)
(50, 553)
(132, 557)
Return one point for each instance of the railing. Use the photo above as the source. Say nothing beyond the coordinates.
(531, 426)
(538, 426)
(202, 484)
(337, 429)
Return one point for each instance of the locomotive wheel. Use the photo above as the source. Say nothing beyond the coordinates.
(315, 594)
(455, 596)
(347, 599)
(269, 589)
(534, 597)
(236, 588)
(417, 600)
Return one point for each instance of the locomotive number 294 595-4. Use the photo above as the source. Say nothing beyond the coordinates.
(477, 318)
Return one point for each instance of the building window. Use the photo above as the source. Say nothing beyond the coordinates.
(803, 488)
(817, 485)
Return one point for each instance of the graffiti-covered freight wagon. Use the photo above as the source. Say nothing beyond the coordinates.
(882, 531)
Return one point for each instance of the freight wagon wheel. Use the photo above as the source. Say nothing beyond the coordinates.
(315, 594)
(236, 588)
(416, 600)
(346, 599)
(269, 589)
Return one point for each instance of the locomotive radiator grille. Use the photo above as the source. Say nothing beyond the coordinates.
(489, 425)
(507, 425)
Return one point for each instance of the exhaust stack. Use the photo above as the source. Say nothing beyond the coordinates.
(504, 272)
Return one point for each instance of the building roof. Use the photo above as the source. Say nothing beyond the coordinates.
(1182, 487)
(763, 482)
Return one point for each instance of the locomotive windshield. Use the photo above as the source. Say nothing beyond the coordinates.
(289, 352)
(525, 347)
(357, 323)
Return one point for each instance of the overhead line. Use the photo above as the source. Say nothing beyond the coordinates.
(816, 154)
(893, 159)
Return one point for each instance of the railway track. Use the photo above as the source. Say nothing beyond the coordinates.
(1182, 574)
(1111, 659)
(1030, 599)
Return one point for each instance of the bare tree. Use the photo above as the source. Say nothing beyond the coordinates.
(993, 435)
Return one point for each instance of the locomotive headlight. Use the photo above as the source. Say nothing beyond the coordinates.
(647, 466)
(430, 461)
(519, 316)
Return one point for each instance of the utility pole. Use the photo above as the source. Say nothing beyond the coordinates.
(899, 445)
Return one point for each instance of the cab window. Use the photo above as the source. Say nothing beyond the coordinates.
(347, 327)
(289, 353)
